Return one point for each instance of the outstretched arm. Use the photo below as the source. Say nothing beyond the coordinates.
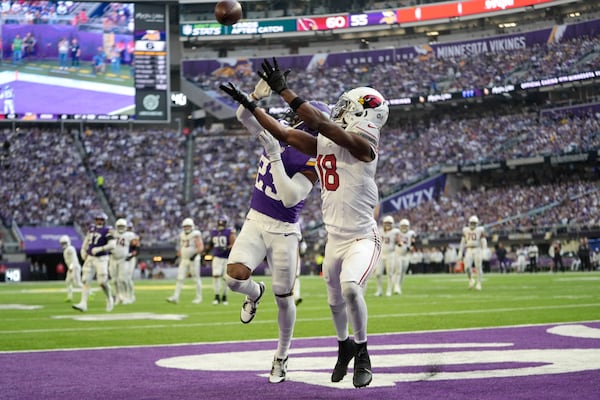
(301, 140)
(314, 118)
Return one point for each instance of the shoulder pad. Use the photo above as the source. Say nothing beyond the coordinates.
(365, 129)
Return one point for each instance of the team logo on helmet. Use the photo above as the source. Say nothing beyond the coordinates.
(370, 101)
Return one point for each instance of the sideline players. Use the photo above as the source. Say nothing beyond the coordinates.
(95, 251)
(189, 250)
(472, 244)
(390, 236)
(73, 277)
(222, 239)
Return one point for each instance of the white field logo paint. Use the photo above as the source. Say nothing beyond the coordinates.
(315, 369)
(21, 307)
(122, 317)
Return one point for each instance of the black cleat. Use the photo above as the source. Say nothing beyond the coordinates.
(346, 352)
(362, 367)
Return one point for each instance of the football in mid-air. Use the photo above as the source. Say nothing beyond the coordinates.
(228, 12)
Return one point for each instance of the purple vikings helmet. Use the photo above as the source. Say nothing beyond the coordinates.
(100, 218)
(222, 221)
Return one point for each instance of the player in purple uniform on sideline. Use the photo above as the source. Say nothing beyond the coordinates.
(271, 229)
(222, 239)
(95, 251)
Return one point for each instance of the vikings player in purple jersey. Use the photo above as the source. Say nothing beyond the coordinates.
(271, 229)
(95, 251)
(222, 239)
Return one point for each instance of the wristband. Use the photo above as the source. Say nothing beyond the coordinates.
(296, 103)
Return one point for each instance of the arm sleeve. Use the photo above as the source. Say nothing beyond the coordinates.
(110, 245)
(248, 120)
(84, 246)
(290, 190)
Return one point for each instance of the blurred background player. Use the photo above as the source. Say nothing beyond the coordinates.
(521, 262)
(189, 251)
(346, 150)
(117, 266)
(272, 229)
(222, 239)
(8, 95)
(73, 277)
(404, 251)
(130, 265)
(472, 244)
(534, 253)
(95, 250)
(390, 236)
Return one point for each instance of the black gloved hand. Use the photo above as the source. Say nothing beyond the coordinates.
(193, 257)
(271, 74)
(238, 95)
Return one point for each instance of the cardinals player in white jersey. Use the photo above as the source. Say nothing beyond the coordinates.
(390, 236)
(119, 261)
(73, 277)
(130, 264)
(472, 244)
(406, 244)
(346, 150)
(189, 249)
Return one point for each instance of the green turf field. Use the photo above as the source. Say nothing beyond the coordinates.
(429, 302)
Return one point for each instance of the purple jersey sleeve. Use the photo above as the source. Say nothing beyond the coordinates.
(264, 197)
(220, 242)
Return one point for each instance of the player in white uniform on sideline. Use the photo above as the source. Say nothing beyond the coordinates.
(521, 262)
(472, 244)
(8, 95)
(118, 263)
(189, 249)
(95, 251)
(387, 262)
(346, 150)
(406, 244)
(130, 264)
(73, 277)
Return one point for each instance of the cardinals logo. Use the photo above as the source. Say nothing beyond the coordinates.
(370, 101)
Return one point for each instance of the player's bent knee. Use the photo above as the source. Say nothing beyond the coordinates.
(350, 291)
(238, 271)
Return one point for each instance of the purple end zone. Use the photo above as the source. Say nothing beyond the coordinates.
(41, 98)
(557, 361)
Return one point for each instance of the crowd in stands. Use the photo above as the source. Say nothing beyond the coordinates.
(52, 177)
(429, 74)
(49, 178)
(111, 17)
(36, 12)
(43, 179)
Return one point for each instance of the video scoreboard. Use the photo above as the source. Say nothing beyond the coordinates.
(122, 73)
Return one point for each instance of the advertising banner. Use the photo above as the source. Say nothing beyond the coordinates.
(45, 239)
